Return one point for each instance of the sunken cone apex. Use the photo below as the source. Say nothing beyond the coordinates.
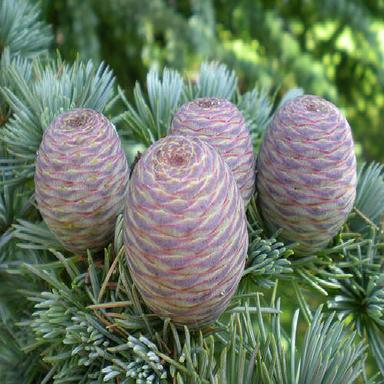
(306, 178)
(185, 230)
(81, 179)
(220, 124)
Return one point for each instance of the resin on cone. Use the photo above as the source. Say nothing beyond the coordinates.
(306, 172)
(185, 230)
(81, 179)
(221, 124)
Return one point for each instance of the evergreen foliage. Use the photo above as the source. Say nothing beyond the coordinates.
(66, 318)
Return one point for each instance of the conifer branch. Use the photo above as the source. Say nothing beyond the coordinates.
(76, 318)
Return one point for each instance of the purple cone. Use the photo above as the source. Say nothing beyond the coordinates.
(306, 172)
(221, 124)
(185, 230)
(81, 179)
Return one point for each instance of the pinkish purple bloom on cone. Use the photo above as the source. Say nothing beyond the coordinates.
(185, 230)
(306, 172)
(81, 179)
(221, 124)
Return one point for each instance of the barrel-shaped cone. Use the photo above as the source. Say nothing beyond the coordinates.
(81, 179)
(185, 230)
(306, 172)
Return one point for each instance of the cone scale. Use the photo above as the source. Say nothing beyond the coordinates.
(185, 231)
(81, 179)
(220, 123)
(306, 173)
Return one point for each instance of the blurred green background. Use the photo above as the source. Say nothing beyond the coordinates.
(332, 48)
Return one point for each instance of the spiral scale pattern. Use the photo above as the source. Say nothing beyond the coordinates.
(221, 124)
(185, 230)
(81, 179)
(306, 172)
